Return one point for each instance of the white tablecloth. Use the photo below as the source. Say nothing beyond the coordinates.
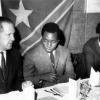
(94, 93)
(65, 89)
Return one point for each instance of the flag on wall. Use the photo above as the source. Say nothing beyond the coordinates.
(30, 15)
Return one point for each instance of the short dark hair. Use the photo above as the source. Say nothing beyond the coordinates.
(98, 28)
(3, 20)
(52, 28)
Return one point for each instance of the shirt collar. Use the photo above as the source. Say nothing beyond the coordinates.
(4, 52)
(98, 42)
(53, 52)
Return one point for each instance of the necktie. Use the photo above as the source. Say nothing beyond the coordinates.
(52, 59)
(53, 62)
(3, 64)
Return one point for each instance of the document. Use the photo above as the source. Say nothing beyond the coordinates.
(94, 78)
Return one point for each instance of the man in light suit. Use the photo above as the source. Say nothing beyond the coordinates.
(11, 72)
(44, 70)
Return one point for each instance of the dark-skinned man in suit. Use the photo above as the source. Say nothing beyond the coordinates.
(48, 63)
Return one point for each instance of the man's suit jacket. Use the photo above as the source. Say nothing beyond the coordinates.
(37, 62)
(13, 72)
(91, 51)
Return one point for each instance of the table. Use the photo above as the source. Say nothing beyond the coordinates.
(43, 94)
(94, 93)
(64, 89)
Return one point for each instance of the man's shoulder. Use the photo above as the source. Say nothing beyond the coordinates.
(63, 47)
(91, 42)
(64, 50)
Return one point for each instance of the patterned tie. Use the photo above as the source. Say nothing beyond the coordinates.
(52, 59)
(53, 63)
(3, 63)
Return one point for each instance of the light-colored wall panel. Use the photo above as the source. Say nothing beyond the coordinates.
(93, 6)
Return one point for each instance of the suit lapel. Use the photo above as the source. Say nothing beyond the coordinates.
(6, 69)
(8, 63)
(1, 75)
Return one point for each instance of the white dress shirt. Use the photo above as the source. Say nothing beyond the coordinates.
(53, 53)
(99, 42)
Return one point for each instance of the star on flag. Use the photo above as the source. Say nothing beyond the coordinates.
(21, 14)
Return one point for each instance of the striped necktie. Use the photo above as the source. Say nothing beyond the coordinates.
(53, 62)
(52, 59)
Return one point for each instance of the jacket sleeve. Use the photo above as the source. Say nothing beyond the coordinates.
(19, 72)
(30, 71)
(69, 66)
(68, 71)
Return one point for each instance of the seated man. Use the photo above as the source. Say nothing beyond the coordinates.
(11, 72)
(48, 62)
(91, 51)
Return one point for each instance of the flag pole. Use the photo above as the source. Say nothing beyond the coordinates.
(0, 9)
(85, 11)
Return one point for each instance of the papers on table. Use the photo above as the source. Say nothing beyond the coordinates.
(94, 77)
(66, 90)
(61, 89)
(72, 89)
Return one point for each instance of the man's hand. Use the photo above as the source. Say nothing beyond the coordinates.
(26, 84)
(50, 77)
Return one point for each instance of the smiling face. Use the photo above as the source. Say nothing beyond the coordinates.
(50, 41)
(6, 36)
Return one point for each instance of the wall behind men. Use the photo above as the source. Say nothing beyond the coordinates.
(84, 24)
(77, 38)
